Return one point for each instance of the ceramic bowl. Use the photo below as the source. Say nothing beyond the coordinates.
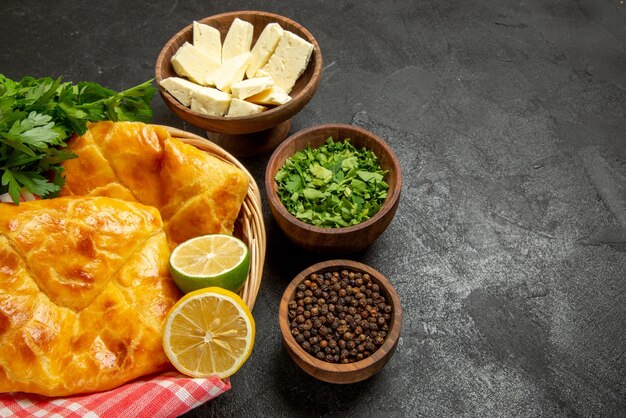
(247, 135)
(334, 241)
(337, 372)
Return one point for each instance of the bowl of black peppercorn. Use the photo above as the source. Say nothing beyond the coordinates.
(340, 321)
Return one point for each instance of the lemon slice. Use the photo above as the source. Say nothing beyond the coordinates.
(209, 333)
(210, 260)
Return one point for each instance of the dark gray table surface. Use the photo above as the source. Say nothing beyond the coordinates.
(508, 249)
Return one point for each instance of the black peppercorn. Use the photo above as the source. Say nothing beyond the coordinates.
(339, 316)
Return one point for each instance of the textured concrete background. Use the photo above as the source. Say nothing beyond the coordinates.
(509, 246)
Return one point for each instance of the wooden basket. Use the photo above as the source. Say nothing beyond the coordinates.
(249, 226)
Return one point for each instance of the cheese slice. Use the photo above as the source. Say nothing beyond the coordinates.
(289, 60)
(210, 101)
(262, 73)
(264, 47)
(238, 40)
(231, 72)
(250, 86)
(180, 88)
(191, 62)
(209, 40)
(240, 107)
(272, 96)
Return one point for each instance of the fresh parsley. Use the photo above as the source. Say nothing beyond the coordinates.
(38, 116)
(334, 185)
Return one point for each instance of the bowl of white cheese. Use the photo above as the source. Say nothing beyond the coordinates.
(240, 76)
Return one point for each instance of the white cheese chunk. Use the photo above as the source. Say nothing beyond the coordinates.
(238, 40)
(273, 96)
(289, 60)
(250, 86)
(180, 88)
(231, 71)
(209, 40)
(189, 61)
(240, 107)
(210, 101)
(264, 47)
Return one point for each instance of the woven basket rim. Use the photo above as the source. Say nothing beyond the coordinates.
(250, 218)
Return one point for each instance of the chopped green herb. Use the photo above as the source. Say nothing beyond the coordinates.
(332, 186)
(37, 116)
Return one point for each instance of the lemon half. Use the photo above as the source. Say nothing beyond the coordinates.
(209, 333)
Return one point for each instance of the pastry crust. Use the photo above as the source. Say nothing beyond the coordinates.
(84, 290)
(84, 278)
(195, 192)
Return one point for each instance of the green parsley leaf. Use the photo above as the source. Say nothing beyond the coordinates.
(313, 194)
(321, 173)
(38, 116)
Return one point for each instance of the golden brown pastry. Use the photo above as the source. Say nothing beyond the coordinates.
(84, 291)
(84, 279)
(195, 192)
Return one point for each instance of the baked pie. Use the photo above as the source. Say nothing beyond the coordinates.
(84, 278)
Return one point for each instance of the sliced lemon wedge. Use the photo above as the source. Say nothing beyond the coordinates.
(209, 333)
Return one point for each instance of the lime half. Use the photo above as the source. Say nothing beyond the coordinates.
(210, 260)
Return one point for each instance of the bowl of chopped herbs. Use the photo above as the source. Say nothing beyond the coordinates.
(333, 189)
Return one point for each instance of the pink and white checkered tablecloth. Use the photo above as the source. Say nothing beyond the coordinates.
(164, 395)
